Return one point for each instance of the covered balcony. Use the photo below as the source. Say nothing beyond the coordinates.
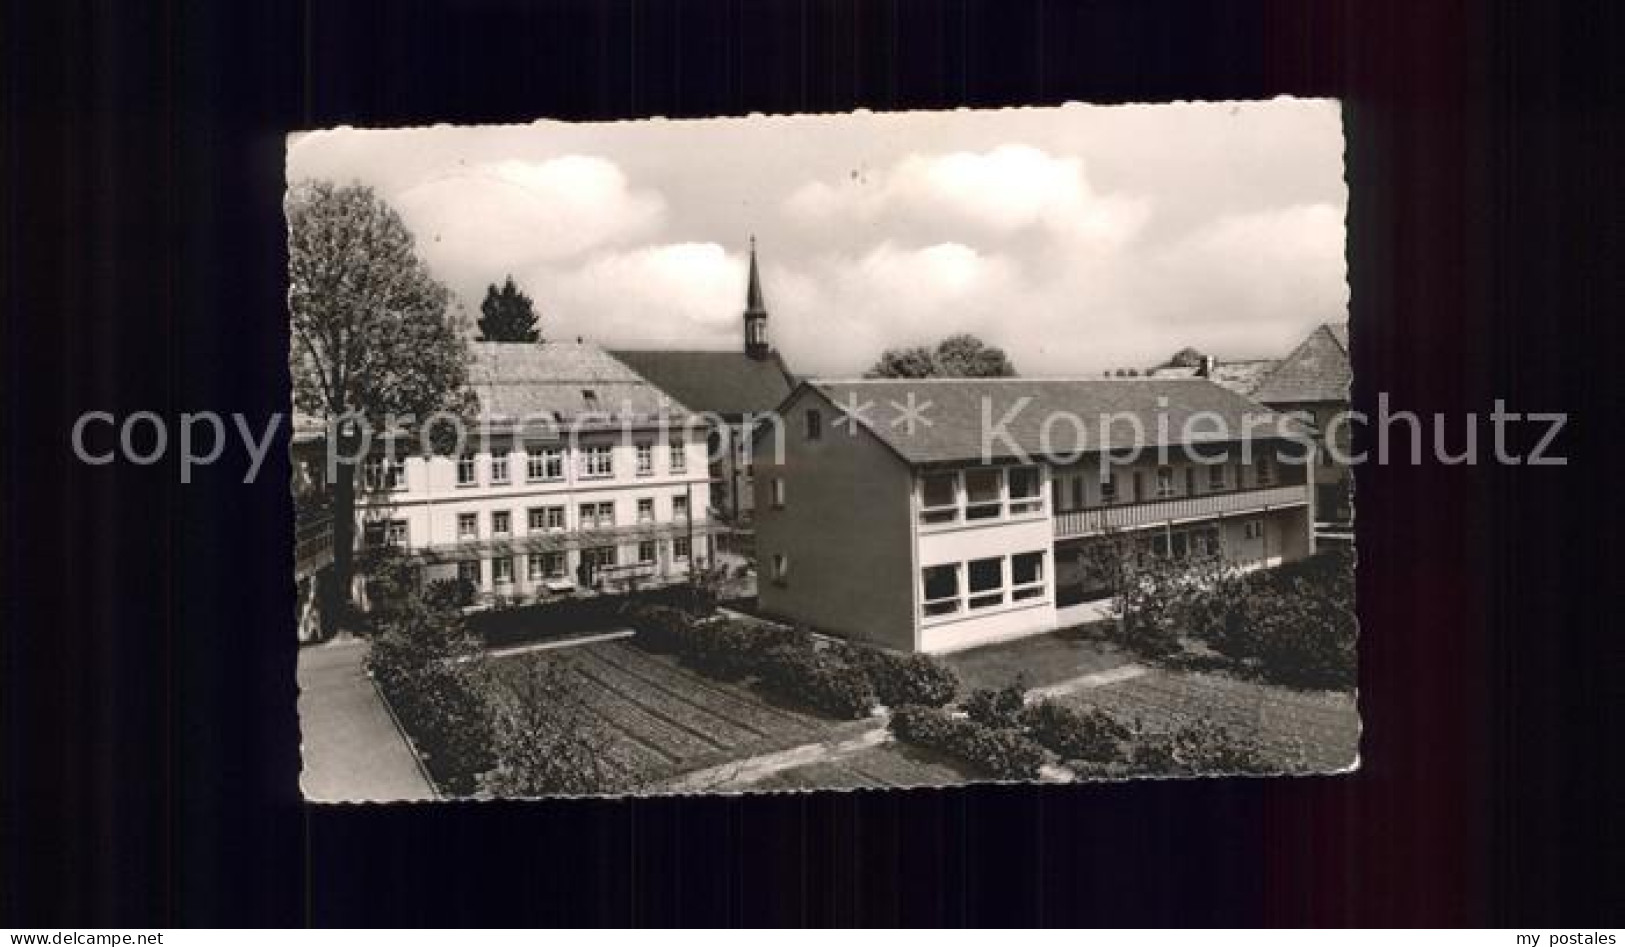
(1072, 524)
(560, 541)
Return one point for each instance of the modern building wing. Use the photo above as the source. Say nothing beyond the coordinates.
(942, 514)
(964, 419)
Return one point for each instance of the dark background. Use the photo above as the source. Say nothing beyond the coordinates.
(149, 768)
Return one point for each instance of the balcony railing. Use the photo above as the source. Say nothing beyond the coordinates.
(559, 540)
(1087, 522)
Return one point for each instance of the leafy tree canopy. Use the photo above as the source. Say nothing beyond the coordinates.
(1186, 357)
(508, 315)
(371, 338)
(913, 362)
(370, 332)
(958, 356)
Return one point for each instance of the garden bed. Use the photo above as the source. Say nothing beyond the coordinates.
(670, 718)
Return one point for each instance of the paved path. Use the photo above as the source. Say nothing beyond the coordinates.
(352, 750)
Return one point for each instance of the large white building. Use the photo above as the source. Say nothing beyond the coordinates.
(907, 514)
(582, 477)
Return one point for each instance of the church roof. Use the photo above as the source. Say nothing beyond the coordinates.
(728, 384)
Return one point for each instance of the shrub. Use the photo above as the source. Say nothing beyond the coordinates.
(833, 679)
(1201, 747)
(545, 742)
(1002, 753)
(998, 708)
(1092, 736)
(926, 726)
(769, 637)
(1295, 623)
(900, 679)
(730, 650)
(661, 628)
(820, 679)
(1164, 598)
(449, 593)
(434, 677)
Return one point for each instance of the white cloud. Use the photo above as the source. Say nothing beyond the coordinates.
(682, 295)
(1077, 238)
(1257, 267)
(829, 307)
(1000, 192)
(484, 221)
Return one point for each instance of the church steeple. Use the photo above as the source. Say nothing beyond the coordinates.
(755, 311)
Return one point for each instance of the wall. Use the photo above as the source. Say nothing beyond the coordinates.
(966, 540)
(845, 528)
(432, 500)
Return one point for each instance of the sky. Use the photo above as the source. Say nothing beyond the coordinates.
(1079, 238)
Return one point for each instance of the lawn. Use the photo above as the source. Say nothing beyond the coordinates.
(668, 720)
(1297, 730)
(1042, 659)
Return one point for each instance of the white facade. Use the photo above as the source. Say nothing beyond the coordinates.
(526, 516)
(985, 556)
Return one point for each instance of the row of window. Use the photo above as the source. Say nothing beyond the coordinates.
(953, 587)
(1069, 490)
(542, 464)
(551, 566)
(540, 519)
(980, 493)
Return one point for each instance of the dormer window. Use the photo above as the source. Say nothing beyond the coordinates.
(591, 398)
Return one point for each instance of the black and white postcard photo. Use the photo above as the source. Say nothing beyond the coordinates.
(822, 452)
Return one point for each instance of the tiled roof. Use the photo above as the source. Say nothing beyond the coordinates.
(1239, 376)
(520, 380)
(1317, 370)
(725, 383)
(954, 413)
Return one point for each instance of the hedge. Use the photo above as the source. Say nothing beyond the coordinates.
(1002, 753)
(441, 700)
(819, 678)
(1202, 747)
(1091, 736)
(843, 679)
(1000, 709)
(1295, 624)
(902, 679)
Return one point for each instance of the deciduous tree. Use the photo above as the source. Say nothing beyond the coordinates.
(371, 337)
(957, 356)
